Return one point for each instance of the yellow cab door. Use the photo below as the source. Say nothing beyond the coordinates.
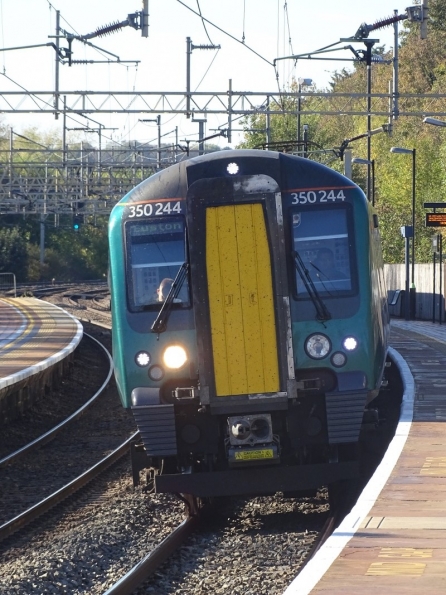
(241, 302)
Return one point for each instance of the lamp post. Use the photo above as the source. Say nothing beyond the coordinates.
(370, 162)
(438, 246)
(345, 143)
(301, 83)
(412, 287)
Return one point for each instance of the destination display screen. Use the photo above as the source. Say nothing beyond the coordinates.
(435, 219)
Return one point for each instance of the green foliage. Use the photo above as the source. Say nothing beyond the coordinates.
(13, 253)
(422, 70)
(68, 255)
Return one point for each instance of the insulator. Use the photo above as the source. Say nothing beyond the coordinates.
(386, 22)
(109, 29)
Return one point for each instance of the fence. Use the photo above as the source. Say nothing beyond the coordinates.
(430, 304)
(8, 284)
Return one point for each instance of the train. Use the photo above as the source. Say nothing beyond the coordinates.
(249, 323)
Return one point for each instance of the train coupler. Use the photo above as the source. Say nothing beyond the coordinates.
(140, 461)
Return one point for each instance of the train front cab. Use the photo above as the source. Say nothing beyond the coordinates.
(244, 422)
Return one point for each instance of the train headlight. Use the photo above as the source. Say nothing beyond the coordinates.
(232, 169)
(317, 346)
(175, 357)
(350, 343)
(142, 358)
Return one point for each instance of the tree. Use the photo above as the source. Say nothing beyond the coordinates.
(422, 70)
(13, 253)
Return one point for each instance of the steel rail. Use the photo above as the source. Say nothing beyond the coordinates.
(44, 438)
(44, 505)
(148, 565)
(329, 526)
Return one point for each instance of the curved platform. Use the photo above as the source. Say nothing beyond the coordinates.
(35, 336)
(394, 539)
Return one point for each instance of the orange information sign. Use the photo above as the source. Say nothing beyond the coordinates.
(435, 219)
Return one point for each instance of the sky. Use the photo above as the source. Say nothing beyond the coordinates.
(270, 29)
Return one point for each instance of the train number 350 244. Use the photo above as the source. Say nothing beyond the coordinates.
(316, 196)
(158, 208)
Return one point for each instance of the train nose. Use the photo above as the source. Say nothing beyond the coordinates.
(241, 429)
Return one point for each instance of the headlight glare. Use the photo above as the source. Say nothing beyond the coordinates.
(232, 169)
(175, 357)
(317, 346)
(350, 343)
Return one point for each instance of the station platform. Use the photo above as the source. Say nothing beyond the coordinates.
(36, 337)
(394, 539)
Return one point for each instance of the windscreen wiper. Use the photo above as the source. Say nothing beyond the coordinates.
(319, 276)
(160, 324)
(322, 312)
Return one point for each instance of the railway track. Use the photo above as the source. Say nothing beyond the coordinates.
(52, 433)
(264, 558)
(34, 512)
(252, 547)
(43, 466)
(146, 567)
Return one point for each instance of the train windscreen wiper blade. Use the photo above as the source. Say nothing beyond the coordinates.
(322, 312)
(320, 275)
(160, 323)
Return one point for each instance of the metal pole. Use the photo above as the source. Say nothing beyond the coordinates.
(395, 109)
(42, 238)
(369, 46)
(158, 161)
(188, 53)
(145, 18)
(81, 177)
(56, 83)
(373, 182)
(440, 317)
(230, 111)
(268, 123)
(406, 262)
(413, 213)
(305, 140)
(200, 137)
(64, 132)
(100, 149)
(299, 105)
(433, 292)
(390, 106)
(11, 161)
(412, 287)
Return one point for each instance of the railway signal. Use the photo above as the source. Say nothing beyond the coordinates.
(77, 222)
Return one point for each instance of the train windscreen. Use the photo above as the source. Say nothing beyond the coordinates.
(320, 237)
(155, 252)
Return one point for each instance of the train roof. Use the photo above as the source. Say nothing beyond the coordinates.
(289, 171)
